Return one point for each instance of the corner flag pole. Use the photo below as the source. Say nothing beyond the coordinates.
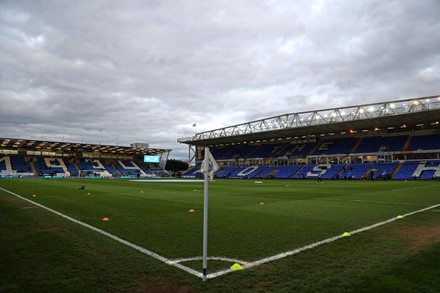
(209, 166)
(205, 213)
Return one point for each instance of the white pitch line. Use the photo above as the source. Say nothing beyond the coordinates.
(415, 187)
(246, 265)
(116, 238)
(226, 259)
(313, 245)
(375, 201)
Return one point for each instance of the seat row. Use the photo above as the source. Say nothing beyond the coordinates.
(422, 170)
(16, 165)
(346, 145)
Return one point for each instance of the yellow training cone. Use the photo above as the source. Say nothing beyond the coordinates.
(191, 210)
(236, 267)
(346, 234)
(399, 217)
(105, 219)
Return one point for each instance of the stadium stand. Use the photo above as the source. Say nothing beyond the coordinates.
(50, 166)
(425, 142)
(73, 170)
(336, 146)
(392, 140)
(20, 165)
(223, 172)
(421, 170)
(247, 172)
(279, 172)
(159, 172)
(16, 165)
(298, 149)
(267, 150)
(376, 144)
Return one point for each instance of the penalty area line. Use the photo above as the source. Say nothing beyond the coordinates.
(116, 238)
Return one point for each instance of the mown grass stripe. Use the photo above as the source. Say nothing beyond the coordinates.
(116, 238)
(313, 245)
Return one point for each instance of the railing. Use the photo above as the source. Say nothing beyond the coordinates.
(321, 117)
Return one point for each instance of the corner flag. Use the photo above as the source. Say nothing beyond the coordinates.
(209, 166)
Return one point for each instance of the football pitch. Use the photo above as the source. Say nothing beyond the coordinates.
(265, 227)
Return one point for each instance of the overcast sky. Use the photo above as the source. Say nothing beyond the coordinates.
(118, 72)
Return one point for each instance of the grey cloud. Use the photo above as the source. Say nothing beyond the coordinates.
(123, 72)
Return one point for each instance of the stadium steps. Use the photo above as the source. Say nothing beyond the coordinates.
(314, 149)
(342, 170)
(119, 172)
(282, 151)
(8, 164)
(396, 170)
(298, 171)
(356, 145)
(34, 170)
(407, 144)
(77, 168)
(189, 171)
(252, 152)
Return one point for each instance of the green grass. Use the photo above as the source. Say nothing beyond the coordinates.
(45, 252)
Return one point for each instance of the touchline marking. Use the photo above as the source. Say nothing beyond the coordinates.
(415, 187)
(374, 201)
(246, 265)
(116, 238)
(313, 245)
